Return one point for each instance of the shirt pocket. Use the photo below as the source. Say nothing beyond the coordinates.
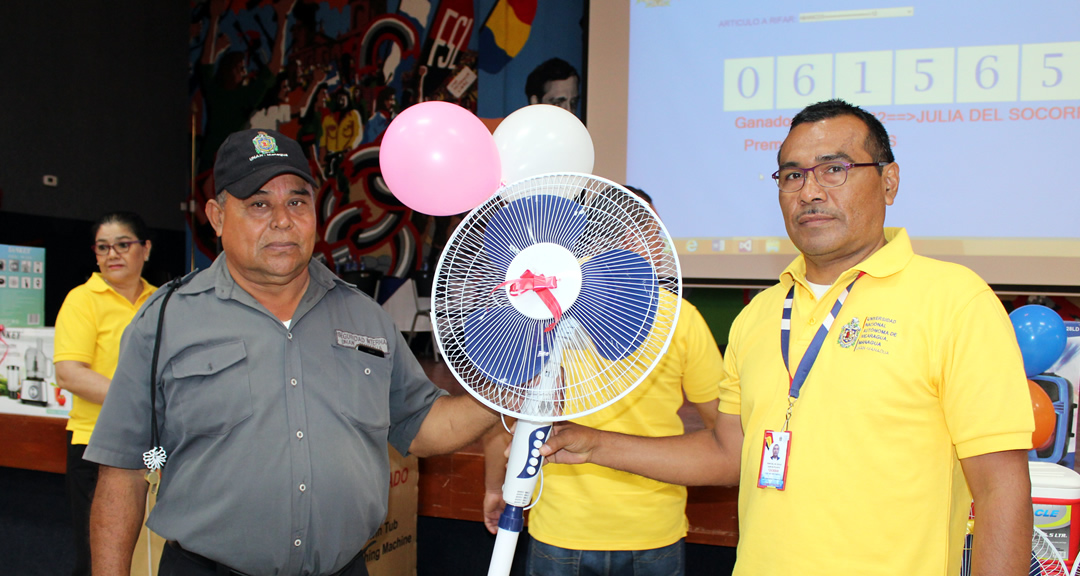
(366, 378)
(212, 388)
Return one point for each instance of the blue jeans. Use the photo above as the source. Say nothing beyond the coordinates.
(547, 560)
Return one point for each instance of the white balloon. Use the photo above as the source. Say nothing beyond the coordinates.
(540, 139)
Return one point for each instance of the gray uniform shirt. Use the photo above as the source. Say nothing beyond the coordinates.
(276, 437)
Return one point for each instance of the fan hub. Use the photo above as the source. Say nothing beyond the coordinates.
(550, 260)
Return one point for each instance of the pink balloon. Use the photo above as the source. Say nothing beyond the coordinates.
(438, 158)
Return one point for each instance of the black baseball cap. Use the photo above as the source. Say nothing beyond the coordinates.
(250, 158)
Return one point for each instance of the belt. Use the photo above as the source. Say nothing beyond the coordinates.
(223, 570)
(202, 561)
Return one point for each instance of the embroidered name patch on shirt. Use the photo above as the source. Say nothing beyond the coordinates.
(350, 340)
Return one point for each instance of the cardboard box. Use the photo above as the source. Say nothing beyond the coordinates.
(147, 555)
(22, 286)
(392, 552)
(1055, 493)
(27, 375)
(1068, 367)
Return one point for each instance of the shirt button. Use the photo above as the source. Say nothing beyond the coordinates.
(303, 487)
(367, 371)
(299, 433)
(812, 321)
(296, 542)
(293, 381)
(290, 338)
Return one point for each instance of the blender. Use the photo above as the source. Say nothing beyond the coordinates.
(35, 390)
(13, 371)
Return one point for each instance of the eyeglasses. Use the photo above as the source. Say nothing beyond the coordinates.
(122, 247)
(827, 174)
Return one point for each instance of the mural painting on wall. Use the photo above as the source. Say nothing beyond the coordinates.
(333, 74)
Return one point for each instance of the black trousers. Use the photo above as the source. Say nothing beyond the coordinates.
(175, 561)
(81, 480)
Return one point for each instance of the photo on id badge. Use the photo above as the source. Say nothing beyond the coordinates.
(774, 454)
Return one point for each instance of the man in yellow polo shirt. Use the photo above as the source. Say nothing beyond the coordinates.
(892, 384)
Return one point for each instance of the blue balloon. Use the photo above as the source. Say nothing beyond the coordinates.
(1041, 335)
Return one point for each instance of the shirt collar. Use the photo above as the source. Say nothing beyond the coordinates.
(890, 259)
(97, 283)
(218, 278)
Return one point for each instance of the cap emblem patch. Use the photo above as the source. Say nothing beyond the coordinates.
(264, 144)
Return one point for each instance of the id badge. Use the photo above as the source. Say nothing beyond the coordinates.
(774, 459)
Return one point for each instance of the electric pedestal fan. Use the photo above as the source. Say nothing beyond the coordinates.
(551, 300)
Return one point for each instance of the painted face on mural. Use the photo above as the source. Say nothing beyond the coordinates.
(388, 103)
(317, 65)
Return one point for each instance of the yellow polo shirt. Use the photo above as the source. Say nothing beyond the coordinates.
(88, 329)
(589, 507)
(920, 369)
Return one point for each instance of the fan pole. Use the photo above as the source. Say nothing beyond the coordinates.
(522, 470)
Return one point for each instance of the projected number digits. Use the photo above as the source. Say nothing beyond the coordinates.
(752, 74)
(800, 77)
(803, 80)
(862, 78)
(924, 76)
(987, 73)
(1057, 71)
(1001, 73)
(865, 78)
(748, 83)
(981, 72)
(929, 77)
(1048, 71)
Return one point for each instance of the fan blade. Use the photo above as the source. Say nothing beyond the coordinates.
(531, 220)
(508, 347)
(618, 301)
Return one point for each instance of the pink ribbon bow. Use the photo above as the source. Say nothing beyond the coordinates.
(540, 284)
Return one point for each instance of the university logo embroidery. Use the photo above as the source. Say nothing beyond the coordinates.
(264, 144)
(849, 333)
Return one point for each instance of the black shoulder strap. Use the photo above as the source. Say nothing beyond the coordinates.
(155, 457)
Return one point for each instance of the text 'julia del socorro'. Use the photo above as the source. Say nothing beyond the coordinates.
(1011, 114)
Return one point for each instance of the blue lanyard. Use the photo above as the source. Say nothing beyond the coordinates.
(807, 362)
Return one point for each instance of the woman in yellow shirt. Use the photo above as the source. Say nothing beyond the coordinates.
(87, 346)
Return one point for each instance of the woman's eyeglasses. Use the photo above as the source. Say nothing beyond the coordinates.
(102, 249)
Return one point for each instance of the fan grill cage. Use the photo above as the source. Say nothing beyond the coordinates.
(605, 222)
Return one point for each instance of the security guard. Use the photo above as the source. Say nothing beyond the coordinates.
(270, 388)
